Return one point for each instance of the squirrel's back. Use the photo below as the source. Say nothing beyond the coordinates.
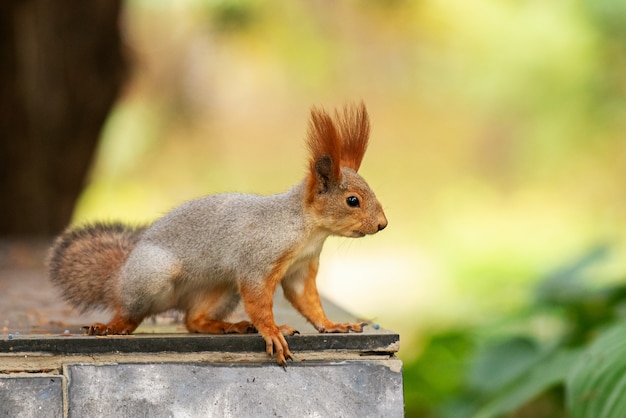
(85, 262)
(231, 231)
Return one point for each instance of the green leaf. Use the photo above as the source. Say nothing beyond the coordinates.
(496, 365)
(544, 374)
(597, 383)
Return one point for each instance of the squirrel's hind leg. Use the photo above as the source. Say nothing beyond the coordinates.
(119, 325)
(206, 313)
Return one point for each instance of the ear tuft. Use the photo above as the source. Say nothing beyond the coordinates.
(354, 127)
(335, 143)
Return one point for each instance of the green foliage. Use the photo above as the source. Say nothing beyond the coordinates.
(577, 368)
(438, 372)
(543, 373)
(595, 386)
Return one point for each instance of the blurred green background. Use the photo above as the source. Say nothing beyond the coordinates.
(497, 150)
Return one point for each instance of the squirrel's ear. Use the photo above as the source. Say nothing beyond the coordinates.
(324, 170)
(323, 140)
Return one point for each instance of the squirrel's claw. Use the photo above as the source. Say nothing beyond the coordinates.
(287, 331)
(275, 344)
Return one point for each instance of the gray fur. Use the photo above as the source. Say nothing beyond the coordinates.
(209, 242)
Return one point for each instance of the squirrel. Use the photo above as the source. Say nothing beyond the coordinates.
(210, 254)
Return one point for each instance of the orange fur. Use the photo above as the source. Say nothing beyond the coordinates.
(354, 127)
(258, 302)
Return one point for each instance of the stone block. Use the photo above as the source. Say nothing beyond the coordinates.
(31, 396)
(316, 388)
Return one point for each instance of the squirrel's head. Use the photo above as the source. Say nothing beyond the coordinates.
(338, 196)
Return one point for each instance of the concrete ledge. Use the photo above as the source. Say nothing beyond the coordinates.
(170, 375)
(186, 375)
(202, 384)
(369, 341)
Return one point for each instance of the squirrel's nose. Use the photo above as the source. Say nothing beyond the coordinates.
(382, 223)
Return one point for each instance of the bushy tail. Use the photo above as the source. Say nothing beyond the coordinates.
(85, 262)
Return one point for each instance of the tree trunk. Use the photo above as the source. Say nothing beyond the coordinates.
(61, 68)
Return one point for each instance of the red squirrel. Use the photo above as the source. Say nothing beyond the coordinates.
(210, 254)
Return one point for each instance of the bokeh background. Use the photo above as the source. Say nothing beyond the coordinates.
(498, 145)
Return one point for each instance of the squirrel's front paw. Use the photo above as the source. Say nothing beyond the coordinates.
(275, 343)
(341, 327)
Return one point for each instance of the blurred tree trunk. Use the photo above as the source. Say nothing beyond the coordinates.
(61, 68)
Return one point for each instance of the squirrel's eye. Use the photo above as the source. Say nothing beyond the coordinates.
(353, 201)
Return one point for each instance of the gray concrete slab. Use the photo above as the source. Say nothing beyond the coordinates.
(320, 389)
(28, 396)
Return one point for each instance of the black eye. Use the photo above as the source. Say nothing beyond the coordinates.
(353, 201)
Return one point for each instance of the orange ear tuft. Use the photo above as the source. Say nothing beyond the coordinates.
(324, 141)
(354, 127)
